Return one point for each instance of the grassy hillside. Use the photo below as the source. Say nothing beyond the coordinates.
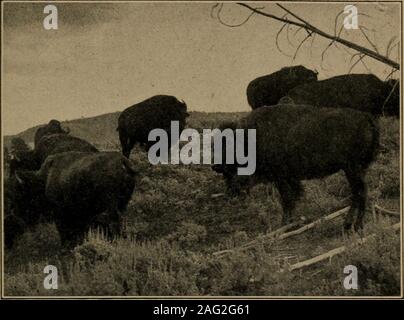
(176, 219)
(101, 130)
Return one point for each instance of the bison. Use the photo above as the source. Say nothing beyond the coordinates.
(22, 209)
(363, 92)
(267, 90)
(48, 145)
(296, 143)
(52, 127)
(135, 122)
(76, 190)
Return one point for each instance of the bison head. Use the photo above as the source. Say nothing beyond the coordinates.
(54, 126)
(303, 74)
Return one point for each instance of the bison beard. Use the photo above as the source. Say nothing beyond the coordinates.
(82, 189)
(296, 143)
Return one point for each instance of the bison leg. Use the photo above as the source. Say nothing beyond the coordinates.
(359, 195)
(290, 191)
(111, 222)
(71, 231)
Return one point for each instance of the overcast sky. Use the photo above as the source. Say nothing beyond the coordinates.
(106, 57)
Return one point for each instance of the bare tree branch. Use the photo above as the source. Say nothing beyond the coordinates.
(306, 25)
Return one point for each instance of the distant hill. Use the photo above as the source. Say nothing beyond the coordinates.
(101, 130)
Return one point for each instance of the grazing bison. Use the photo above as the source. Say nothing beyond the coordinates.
(267, 90)
(76, 190)
(364, 92)
(48, 145)
(296, 143)
(52, 127)
(135, 122)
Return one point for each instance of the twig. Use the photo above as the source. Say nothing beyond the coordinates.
(361, 56)
(299, 46)
(280, 234)
(361, 28)
(218, 15)
(253, 243)
(277, 40)
(386, 211)
(314, 223)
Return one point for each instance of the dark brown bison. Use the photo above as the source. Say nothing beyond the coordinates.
(48, 145)
(22, 209)
(74, 189)
(364, 92)
(296, 143)
(267, 90)
(135, 122)
(52, 127)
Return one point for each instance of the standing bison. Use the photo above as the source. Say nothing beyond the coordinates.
(135, 122)
(76, 190)
(48, 145)
(52, 127)
(267, 90)
(364, 92)
(295, 143)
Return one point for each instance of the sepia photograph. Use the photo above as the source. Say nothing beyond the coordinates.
(201, 150)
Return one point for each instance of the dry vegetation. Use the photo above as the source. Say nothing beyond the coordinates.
(174, 224)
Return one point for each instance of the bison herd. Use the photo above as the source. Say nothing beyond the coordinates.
(306, 129)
